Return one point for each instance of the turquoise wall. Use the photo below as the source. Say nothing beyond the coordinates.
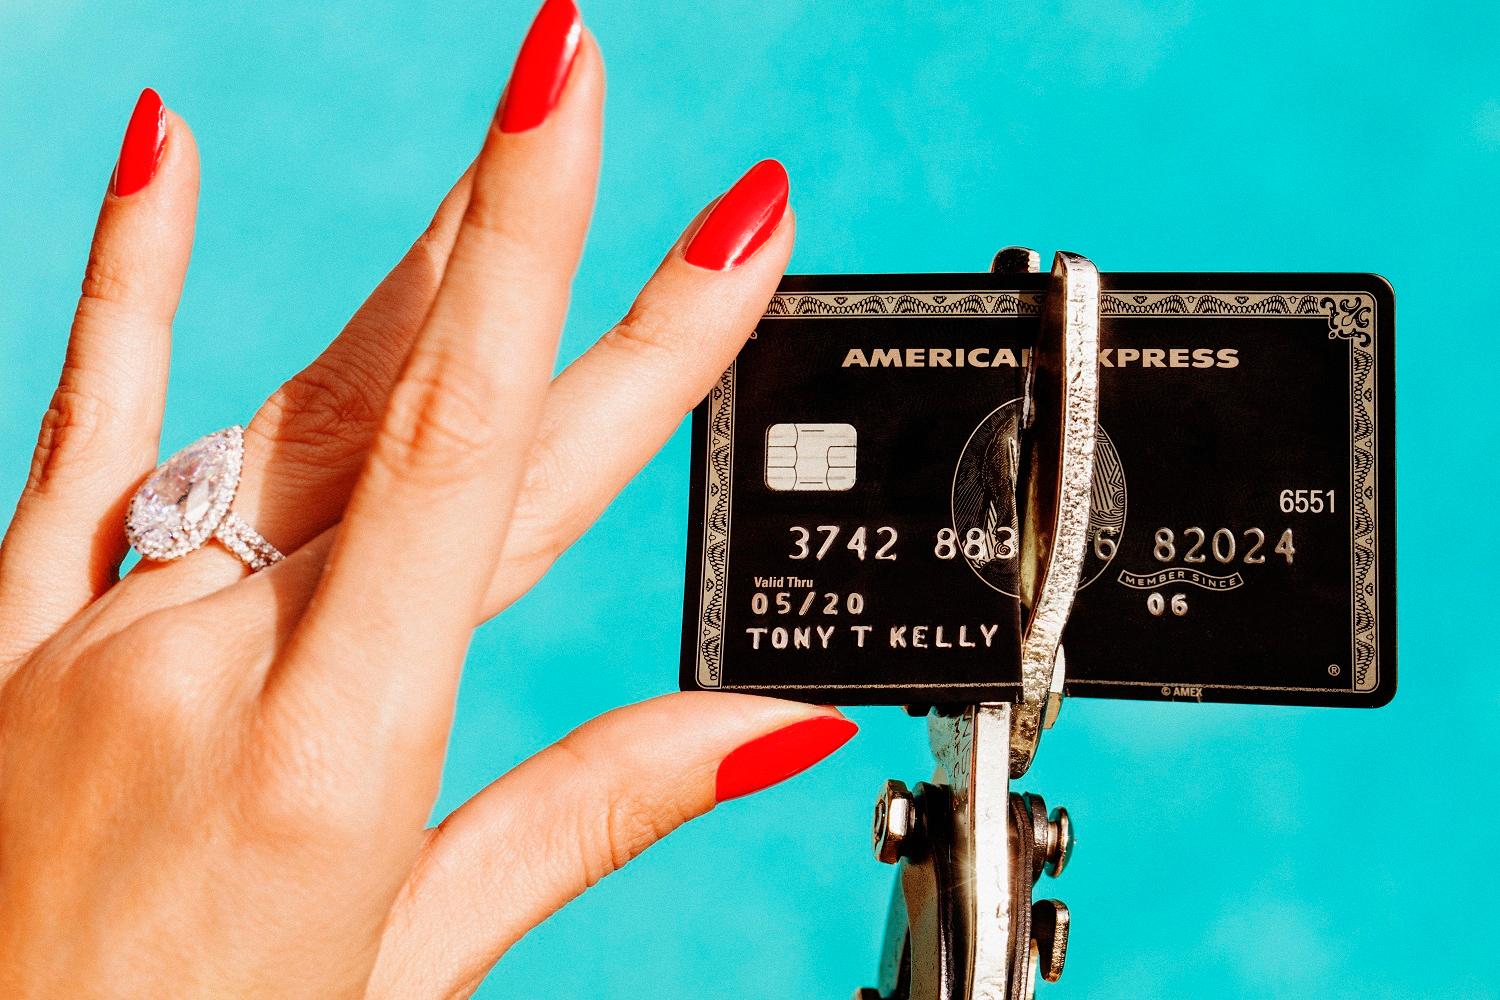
(1225, 851)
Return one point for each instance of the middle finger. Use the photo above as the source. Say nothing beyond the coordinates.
(390, 619)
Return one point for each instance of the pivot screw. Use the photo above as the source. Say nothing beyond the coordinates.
(1052, 836)
(895, 823)
(1059, 841)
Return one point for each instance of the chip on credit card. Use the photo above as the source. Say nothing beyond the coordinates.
(853, 531)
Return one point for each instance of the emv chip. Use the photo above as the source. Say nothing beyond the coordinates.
(810, 457)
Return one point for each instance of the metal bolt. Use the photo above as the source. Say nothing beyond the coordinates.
(1052, 837)
(895, 822)
(1059, 841)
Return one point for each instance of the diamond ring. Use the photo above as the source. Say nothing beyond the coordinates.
(186, 501)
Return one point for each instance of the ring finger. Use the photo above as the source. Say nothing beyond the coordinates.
(604, 417)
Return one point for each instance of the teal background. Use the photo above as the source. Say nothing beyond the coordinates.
(1225, 851)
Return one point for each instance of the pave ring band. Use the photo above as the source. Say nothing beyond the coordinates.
(186, 501)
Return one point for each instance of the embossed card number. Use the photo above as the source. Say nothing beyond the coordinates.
(853, 531)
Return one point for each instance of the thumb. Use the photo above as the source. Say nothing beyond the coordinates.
(578, 810)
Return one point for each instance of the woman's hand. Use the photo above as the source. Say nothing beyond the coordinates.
(214, 784)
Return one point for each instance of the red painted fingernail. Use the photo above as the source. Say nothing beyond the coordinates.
(742, 220)
(141, 151)
(542, 66)
(777, 756)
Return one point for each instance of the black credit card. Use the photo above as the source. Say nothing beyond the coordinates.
(852, 535)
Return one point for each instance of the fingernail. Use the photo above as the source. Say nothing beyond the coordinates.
(542, 66)
(140, 152)
(777, 756)
(742, 220)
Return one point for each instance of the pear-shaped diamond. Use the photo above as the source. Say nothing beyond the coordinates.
(178, 508)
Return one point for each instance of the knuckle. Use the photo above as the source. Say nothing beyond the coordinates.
(546, 501)
(429, 255)
(641, 333)
(302, 782)
(320, 415)
(104, 282)
(630, 826)
(31, 695)
(488, 222)
(442, 424)
(671, 352)
(160, 684)
(615, 822)
(295, 791)
(73, 420)
(171, 645)
(546, 471)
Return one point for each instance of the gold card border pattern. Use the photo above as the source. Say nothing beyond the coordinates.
(1351, 317)
(718, 482)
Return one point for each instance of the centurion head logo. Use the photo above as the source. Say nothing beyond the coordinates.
(984, 501)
